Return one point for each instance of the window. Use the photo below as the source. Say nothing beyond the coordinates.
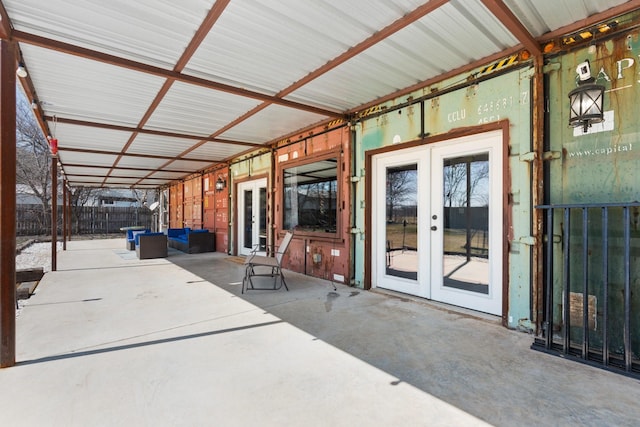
(311, 197)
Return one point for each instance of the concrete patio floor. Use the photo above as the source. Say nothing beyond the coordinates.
(109, 340)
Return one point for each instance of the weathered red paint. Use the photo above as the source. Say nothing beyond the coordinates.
(323, 255)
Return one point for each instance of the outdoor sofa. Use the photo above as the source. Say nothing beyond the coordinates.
(131, 237)
(151, 245)
(191, 241)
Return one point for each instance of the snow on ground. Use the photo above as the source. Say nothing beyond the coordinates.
(34, 256)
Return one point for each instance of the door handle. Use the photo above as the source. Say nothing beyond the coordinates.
(434, 228)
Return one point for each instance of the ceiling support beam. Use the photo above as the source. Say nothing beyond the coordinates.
(196, 40)
(144, 156)
(106, 58)
(376, 38)
(123, 168)
(149, 131)
(515, 27)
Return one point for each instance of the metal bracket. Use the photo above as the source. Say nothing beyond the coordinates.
(527, 240)
(547, 155)
(356, 231)
(554, 66)
(528, 157)
(355, 179)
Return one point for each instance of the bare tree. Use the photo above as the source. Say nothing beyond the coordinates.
(401, 186)
(78, 198)
(455, 182)
(33, 159)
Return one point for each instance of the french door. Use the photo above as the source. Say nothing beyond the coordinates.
(437, 221)
(252, 216)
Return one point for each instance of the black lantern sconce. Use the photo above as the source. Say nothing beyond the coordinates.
(585, 101)
(220, 184)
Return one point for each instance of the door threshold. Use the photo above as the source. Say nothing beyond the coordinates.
(449, 308)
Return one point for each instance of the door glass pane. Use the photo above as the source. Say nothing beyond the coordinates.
(262, 233)
(466, 223)
(248, 219)
(402, 222)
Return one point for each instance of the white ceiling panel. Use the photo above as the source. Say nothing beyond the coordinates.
(197, 111)
(542, 16)
(88, 159)
(81, 89)
(151, 31)
(85, 179)
(129, 173)
(270, 123)
(94, 62)
(73, 136)
(168, 175)
(141, 162)
(120, 180)
(283, 41)
(160, 145)
(216, 151)
(187, 164)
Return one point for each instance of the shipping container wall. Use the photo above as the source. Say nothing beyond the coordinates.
(312, 199)
(423, 115)
(176, 206)
(599, 166)
(216, 207)
(192, 210)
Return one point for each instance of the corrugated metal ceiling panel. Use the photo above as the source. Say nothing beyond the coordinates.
(149, 31)
(129, 173)
(271, 123)
(86, 159)
(542, 16)
(257, 45)
(141, 162)
(187, 164)
(90, 138)
(168, 175)
(449, 37)
(160, 145)
(197, 111)
(215, 150)
(281, 42)
(82, 89)
(119, 180)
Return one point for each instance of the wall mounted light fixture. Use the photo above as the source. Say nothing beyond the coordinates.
(220, 184)
(586, 101)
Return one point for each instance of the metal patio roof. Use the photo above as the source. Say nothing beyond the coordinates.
(140, 93)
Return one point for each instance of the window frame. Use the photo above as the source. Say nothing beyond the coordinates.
(307, 160)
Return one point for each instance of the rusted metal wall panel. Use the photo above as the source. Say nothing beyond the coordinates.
(321, 254)
(176, 206)
(599, 166)
(506, 96)
(192, 210)
(221, 211)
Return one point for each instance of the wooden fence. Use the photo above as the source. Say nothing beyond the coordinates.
(32, 220)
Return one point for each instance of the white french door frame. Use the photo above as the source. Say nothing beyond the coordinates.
(485, 143)
(420, 157)
(254, 186)
(429, 160)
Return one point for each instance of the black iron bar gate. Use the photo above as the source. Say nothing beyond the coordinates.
(592, 285)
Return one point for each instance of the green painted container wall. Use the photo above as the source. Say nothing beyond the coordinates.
(504, 97)
(599, 167)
